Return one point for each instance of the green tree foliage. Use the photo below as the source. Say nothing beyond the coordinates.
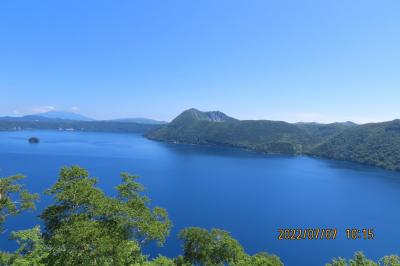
(14, 198)
(217, 247)
(162, 261)
(260, 259)
(31, 251)
(209, 248)
(359, 259)
(86, 227)
(391, 260)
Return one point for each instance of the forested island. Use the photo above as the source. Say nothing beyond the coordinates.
(84, 226)
(33, 140)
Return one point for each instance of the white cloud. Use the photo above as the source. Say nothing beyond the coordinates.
(42, 109)
(74, 108)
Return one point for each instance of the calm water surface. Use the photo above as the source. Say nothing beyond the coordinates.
(250, 195)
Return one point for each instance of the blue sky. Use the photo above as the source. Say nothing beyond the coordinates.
(331, 60)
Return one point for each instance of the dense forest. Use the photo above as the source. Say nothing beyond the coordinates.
(84, 226)
(376, 144)
(194, 126)
(37, 122)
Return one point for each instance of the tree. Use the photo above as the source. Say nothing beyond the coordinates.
(359, 259)
(337, 262)
(392, 260)
(14, 198)
(31, 251)
(87, 227)
(217, 247)
(161, 261)
(260, 259)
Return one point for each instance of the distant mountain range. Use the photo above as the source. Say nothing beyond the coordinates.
(72, 122)
(47, 116)
(375, 144)
(63, 115)
(140, 120)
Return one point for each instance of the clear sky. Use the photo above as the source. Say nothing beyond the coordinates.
(329, 60)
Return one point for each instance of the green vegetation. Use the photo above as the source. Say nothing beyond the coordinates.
(360, 259)
(14, 198)
(217, 247)
(320, 133)
(376, 144)
(192, 126)
(7, 124)
(84, 226)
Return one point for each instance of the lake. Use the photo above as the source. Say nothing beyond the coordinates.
(250, 195)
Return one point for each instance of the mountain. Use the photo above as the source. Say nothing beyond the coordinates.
(196, 115)
(35, 118)
(140, 120)
(27, 118)
(216, 128)
(62, 115)
(375, 144)
(322, 132)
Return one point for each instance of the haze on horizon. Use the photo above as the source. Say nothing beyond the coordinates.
(321, 61)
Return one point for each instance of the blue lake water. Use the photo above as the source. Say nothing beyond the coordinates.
(250, 195)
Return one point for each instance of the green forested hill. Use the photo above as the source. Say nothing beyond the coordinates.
(375, 144)
(270, 136)
(323, 132)
(196, 127)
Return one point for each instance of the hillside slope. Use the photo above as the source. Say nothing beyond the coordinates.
(375, 144)
(216, 128)
(320, 133)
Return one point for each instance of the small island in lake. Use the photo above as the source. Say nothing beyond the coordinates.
(33, 140)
